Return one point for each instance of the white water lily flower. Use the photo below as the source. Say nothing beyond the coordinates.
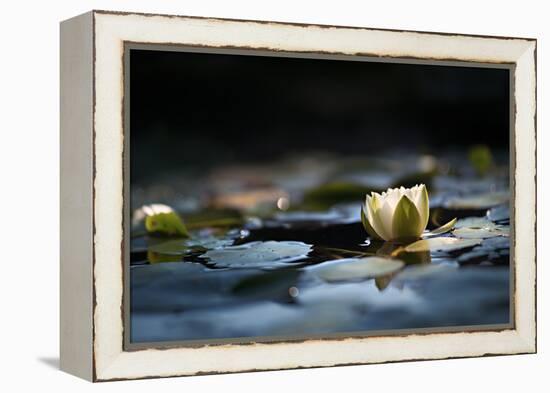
(399, 214)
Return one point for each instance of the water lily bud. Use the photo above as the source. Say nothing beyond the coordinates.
(398, 214)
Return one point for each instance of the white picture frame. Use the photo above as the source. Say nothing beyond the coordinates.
(93, 193)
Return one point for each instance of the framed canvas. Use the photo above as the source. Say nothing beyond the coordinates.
(244, 195)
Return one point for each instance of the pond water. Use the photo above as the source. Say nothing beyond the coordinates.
(280, 250)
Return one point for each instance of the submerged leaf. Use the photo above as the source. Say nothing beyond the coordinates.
(357, 268)
(258, 254)
(441, 244)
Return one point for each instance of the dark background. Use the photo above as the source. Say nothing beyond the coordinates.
(192, 111)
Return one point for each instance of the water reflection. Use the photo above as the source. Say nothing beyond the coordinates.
(280, 250)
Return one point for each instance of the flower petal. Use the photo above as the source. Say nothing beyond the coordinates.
(373, 216)
(385, 215)
(406, 220)
(422, 203)
(392, 197)
(368, 227)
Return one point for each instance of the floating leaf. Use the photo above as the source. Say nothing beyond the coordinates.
(183, 246)
(357, 268)
(481, 233)
(478, 202)
(441, 244)
(499, 213)
(442, 229)
(169, 224)
(479, 228)
(475, 222)
(258, 254)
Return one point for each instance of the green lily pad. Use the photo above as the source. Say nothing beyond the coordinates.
(357, 268)
(167, 224)
(441, 244)
(268, 254)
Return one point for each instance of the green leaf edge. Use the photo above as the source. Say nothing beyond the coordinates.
(443, 228)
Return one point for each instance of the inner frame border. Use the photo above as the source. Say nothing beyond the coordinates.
(129, 346)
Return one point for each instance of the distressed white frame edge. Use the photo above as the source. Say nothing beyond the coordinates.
(111, 30)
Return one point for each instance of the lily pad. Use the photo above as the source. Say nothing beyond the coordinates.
(499, 213)
(441, 244)
(183, 246)
(351, 269)
(479, 228)
(259, 254)
(478, 202)
(442, 229)
(167, 224)
(475, 222)
(481, 233)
